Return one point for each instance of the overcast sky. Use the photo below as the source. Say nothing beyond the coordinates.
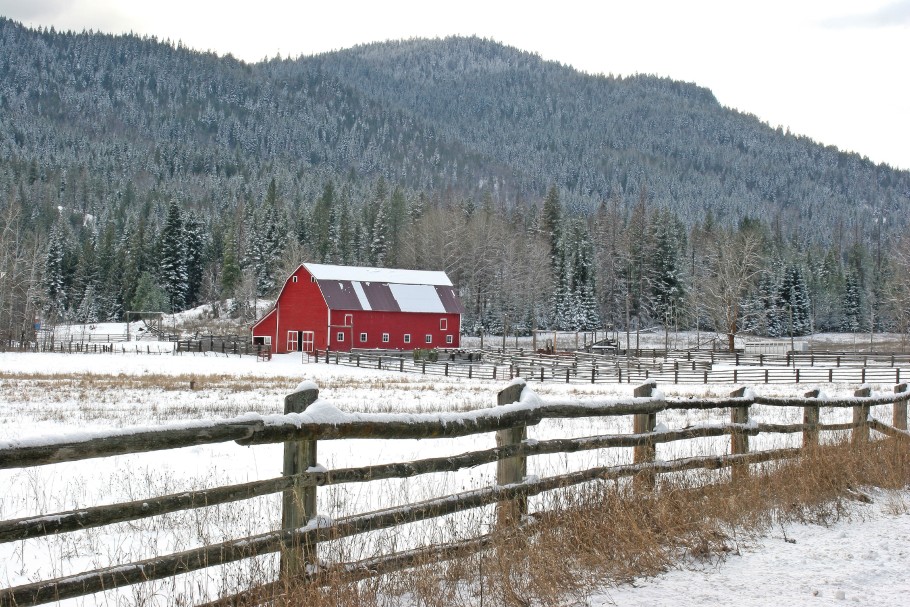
(835, 70)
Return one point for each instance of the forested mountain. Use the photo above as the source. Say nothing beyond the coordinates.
(139, 174)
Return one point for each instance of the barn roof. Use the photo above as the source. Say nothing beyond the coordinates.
(385, 290)
(387, 275)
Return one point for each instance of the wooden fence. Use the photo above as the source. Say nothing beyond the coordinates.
(302, 530)
(578, 367)
(194, 346)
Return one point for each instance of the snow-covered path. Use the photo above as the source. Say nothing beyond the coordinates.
(864, 560)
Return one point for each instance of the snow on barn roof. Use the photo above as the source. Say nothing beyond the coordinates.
(385, 290)
(386, 275)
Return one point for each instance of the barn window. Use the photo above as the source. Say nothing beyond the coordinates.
(312, 279)
(295, 279)
(448, 339)
(385, 338)
(363, 337)
(262, 341)
(407, 338)
(340, 336)
(443, 324)
(429, 338)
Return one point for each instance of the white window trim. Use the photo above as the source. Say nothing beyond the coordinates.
(407, 338)
(449, 339)
(429, 338)
(349, 320)
(339, 337)
(363, 338)
(385, 338)
(443, 324)
(295, 279)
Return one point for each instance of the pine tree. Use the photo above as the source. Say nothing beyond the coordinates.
(149, 297)
(768, 318)
(665, 273)
(322, 222)
(584, 302)
(172, 259)
(795, 304)
(379, 245)
(551, 223)
(196, 239)
(852, 303)
(230, 268)
(55, 282)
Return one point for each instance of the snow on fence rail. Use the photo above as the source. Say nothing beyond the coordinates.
(575, 368)
(307, 420)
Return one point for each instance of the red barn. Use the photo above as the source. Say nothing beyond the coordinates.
(343, 307)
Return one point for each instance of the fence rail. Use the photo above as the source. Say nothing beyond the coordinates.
(578, 368)
(203, 346)
(304, 425)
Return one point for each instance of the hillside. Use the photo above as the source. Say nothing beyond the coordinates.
(380, 155)
(435, 115)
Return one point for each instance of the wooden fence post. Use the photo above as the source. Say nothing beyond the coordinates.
(739, 440)
(511, 469)
(643, 423)
(298, 503)
(810, 419)
(899, 413)
(861, 418)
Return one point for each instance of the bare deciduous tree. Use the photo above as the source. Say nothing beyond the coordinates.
(733, 266)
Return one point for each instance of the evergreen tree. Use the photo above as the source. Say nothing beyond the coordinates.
(379, 245)
(768, 319)
(795, 304)
(149, 297)
(852, 304)
(551, 223)
(55, 280)
(230, 268)
(322, 222)
(172, 259)
(666, 275)
(196, 239)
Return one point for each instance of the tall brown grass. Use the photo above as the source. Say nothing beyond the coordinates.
(609, 533)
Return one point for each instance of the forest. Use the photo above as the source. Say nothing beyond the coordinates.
(137, 174)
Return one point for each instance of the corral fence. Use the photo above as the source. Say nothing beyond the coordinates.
(207, 344)
(302, 530)
(702, 367)
(230, 344)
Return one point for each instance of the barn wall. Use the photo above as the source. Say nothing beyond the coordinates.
(265, 327)
(302, 308)
(396, 324)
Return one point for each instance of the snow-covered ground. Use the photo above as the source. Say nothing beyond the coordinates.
(861, 560)
(60, 394)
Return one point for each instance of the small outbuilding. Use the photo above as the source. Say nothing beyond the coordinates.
(342, 307)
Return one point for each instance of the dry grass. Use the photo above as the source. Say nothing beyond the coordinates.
(609, 533)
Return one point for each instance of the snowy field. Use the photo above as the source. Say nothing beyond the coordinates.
(44, 395)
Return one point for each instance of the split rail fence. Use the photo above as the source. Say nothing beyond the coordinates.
(302, 530)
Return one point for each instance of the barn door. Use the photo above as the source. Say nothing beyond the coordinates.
(307, 339)
(292, 341)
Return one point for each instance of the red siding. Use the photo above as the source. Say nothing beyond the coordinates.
(397, 324)
(302, 307)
